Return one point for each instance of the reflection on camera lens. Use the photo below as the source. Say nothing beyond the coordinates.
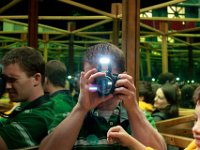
(104, 85)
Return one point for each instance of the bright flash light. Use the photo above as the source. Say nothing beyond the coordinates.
(93, 88)
(109, 83)
(69, 77)
(104, 60)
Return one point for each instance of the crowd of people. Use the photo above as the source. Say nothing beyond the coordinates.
(102, 113)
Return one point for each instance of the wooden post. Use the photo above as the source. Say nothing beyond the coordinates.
(148, 63)
(23, 39)
(190, 59)
(33, 23)
(45, 52)
(71, 27)
(130, 36)
(116, 10)
(164, 29)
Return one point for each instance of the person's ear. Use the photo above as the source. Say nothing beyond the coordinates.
(37, 79)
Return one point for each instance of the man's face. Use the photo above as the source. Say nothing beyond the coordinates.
(196, 127)
(18, 85)
(160, 100)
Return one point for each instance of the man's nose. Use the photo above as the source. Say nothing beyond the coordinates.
(8, 85)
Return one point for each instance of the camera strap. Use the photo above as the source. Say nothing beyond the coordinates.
(123, 117)
(36, 103)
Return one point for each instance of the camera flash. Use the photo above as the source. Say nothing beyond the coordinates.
(104, 60)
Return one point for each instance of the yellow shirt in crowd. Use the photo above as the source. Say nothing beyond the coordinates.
(146, 106)
(191, 146)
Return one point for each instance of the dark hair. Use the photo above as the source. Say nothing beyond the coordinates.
(105, 49)
(29, 59)
(187, 96)
(167, 77)
(145, 90)
(56, 72)
(171, 94)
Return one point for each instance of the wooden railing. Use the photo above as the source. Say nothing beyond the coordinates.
(185, 111)
(177, 131)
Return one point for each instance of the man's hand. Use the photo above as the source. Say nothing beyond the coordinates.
(89, 99)
(126, 91)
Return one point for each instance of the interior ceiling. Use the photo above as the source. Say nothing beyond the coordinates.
(94, 23)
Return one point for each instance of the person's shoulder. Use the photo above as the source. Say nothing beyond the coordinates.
(62, 95)
(158, 115)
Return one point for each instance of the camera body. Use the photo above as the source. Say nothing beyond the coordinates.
(106, 84)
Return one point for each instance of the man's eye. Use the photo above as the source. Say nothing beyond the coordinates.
(10, 80)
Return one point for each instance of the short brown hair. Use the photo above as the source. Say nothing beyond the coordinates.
(116, 55)
(29, 59)
(56, 72)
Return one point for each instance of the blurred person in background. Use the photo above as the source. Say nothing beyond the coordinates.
(54, 85)
(166, 103)
(146, 96)
(187, 96)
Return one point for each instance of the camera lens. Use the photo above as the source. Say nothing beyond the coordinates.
(104, 85)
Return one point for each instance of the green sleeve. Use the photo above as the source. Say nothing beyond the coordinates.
(150, 119)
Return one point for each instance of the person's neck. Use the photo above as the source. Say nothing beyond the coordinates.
(55, 89)
(109, 105)
(36, 94)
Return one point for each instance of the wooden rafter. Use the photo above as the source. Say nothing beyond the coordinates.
(9, 5)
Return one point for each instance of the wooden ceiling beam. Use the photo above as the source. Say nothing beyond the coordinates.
(88, 8)
(92, 37)
(185, 30)
(161, 5)
(92, 26)
(57, 17)
(9, 5)
(171, 19)
(39, 25)
(157, 6)
(151, 28)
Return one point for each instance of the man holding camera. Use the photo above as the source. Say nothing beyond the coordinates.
(95, 112)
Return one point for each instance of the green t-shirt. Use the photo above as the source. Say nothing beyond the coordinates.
(93, 134)
(29, 125)
(62, 104)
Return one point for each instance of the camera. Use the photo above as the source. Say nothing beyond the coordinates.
(106, 84)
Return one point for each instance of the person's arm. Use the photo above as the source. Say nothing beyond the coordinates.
(143, 130)
(3, 145)
(65, 134)
(119, 135)
(140, 126)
